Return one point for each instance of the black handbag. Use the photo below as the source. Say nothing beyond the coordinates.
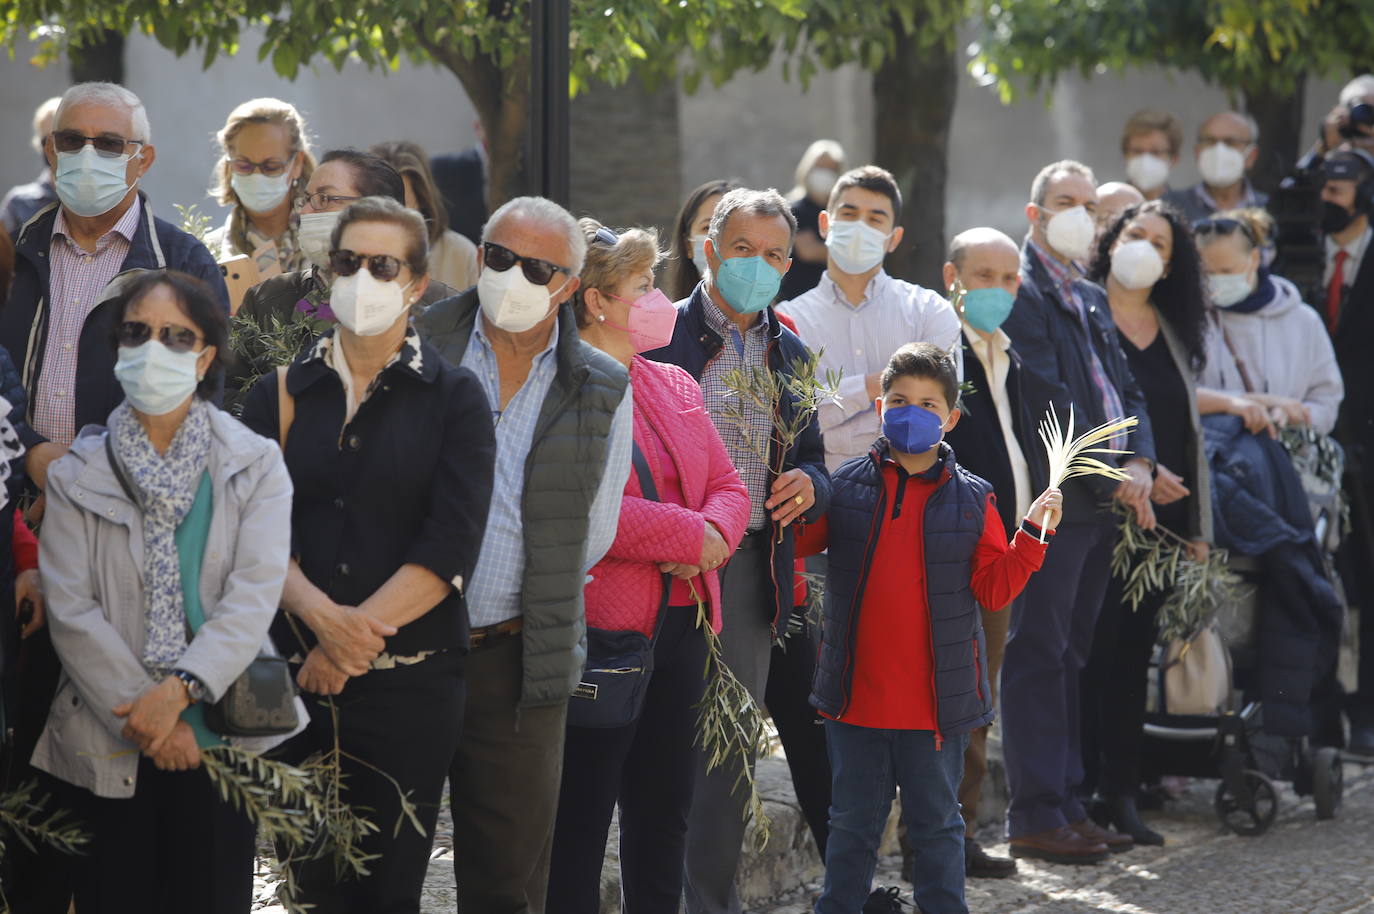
(619, 663)
(262, 700)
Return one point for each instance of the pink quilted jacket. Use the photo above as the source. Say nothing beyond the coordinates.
(626, 585)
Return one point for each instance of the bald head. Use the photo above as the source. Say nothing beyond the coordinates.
(1113, 199)
(982, 258)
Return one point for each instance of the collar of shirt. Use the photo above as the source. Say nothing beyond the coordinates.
(408, 359)
(489, 374)
(980, 344)
(1355, 249)
(1247, 199)
(872, 292)
(126, 228)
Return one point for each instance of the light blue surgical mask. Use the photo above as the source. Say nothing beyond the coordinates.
(699, 254)
(1229, 289)
(856, 247)
(749, 284)
(155, 379)
(88, 183)
(987, 309)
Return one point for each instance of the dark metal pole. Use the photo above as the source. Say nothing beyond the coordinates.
(549, 137)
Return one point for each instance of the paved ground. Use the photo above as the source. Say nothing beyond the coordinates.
(1299, 865)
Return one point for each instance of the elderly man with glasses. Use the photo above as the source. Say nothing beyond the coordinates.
(72, 258)
(1227, 148)
(563, 416)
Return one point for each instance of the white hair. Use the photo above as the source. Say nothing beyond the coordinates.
(1245, 118)
(813, 154)
(109, 95)
(1361, 87)
(550, 215)
(43, 117)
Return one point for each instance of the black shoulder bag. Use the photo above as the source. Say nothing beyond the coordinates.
(619, 663)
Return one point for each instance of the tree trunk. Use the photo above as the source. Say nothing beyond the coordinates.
(99, 61)
(627, 161)
(1280, 127)
(914, 95)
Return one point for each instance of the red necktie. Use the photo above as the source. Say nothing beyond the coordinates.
(1333, 291)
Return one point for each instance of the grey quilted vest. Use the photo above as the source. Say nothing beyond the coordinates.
(562, 473)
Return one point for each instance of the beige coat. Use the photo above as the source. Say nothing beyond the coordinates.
(453, 261)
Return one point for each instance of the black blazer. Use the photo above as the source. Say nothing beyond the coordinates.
(1354, 330)
(1053, 347)
(462, 181)
(977, 440)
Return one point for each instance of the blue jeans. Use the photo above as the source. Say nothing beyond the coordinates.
(868, 765)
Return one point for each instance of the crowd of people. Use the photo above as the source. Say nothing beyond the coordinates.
(513, 490)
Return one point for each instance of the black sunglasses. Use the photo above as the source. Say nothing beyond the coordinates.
(177, 339)
(1224, 226)
(109, 145)
(383, 267)
(537, 271)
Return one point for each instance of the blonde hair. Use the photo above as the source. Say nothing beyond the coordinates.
(1256, 219)
(814, 152)
(260, 111)
(1150, 120)
(607, 264)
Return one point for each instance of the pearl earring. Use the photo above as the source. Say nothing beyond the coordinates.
(601, 317)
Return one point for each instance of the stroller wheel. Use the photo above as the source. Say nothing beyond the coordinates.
(1328, 781)
(1253, 813)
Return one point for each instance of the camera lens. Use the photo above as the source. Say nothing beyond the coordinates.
(1362, 114)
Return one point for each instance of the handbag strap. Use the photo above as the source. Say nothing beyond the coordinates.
(1235, 356)
(650, 491)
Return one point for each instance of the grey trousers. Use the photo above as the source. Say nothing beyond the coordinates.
(715, 825)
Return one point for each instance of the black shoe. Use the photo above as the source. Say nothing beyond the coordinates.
(979, 864)
(885, 901)
(1123, 816)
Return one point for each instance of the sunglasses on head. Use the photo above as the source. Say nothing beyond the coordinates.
(1223, 226)
(177, 339)
(606, 236)
(383, 267)
(501, 259)
(109, 145)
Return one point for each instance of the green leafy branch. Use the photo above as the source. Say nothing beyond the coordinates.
(194, 222)
(1157, 560)
(730, 727)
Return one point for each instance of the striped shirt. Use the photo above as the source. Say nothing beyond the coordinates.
(493, 594)
(76, 280)
(745, 427)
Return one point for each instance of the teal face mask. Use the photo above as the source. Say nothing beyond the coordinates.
(749, 284)
(986, 309)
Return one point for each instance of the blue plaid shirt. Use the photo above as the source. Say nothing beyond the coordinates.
(743, 444)
(494, 594)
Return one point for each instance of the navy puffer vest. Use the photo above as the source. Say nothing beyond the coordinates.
(953, 524)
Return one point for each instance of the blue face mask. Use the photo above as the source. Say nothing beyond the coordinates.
(987, 309)
(912, 429)
(749, 284)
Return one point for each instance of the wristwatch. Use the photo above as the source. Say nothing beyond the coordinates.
(194, 689)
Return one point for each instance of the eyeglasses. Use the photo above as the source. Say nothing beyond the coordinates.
(1224, 226)
(320, 202)
(109, 145)
(270, 168)
(383, 267)
(606, 236)
(1206, 142)
(537, 271)
(175, 338)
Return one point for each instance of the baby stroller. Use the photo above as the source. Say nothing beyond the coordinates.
(1235, 745)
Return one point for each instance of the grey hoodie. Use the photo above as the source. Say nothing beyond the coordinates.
(91, 554)
(1286, 352)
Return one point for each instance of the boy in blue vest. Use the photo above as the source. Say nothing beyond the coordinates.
(916, 545)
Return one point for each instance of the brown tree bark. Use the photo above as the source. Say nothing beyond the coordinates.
(1281, 131)
(914, 97)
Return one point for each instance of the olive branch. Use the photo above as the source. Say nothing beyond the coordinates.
(759, 388)
(730, 725)
(1161, 560)
(194, 222)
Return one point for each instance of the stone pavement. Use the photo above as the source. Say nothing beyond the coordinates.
(1300, 865)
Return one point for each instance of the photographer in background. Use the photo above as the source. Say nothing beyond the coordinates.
(1347, 195)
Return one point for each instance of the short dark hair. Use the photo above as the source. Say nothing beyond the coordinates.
(373, 175)
(201, 308)
(870, 177)
(388, 212)
(924, 360)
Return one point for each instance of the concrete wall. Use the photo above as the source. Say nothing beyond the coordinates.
(755, 127)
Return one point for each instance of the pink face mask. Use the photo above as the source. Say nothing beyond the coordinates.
(652, 318)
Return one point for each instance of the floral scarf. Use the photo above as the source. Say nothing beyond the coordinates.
(167, 486)
(10, 449)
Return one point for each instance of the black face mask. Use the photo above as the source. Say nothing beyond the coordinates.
(1335, 217)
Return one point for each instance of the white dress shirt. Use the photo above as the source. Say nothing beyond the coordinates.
(858, 340)
(1355, 249)
(996, 362)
